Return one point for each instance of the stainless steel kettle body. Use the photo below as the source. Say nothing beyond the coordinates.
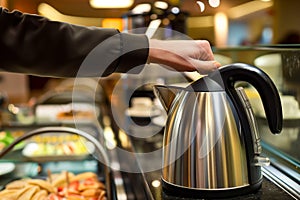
(211, 143)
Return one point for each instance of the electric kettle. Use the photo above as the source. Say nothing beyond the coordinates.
(211, 143)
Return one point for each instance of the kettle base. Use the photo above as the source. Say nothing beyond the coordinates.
(179, 191)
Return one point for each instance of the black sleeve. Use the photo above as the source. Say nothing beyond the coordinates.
(34, 45)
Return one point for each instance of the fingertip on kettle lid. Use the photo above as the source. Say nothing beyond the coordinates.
(216, 64)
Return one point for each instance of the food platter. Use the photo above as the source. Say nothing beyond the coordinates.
(30, 149)
(87, 187)
(61, 186)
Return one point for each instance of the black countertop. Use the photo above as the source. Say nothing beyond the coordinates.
(268, 191)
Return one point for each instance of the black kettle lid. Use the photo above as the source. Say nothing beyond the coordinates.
(210, 83)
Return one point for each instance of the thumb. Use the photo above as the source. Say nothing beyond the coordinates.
(205, 67)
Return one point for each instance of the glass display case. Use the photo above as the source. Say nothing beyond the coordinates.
(56, 155)
(64, 139)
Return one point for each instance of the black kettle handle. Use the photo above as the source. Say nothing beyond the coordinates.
(261, 82)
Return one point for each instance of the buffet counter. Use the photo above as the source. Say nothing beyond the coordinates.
(127, 141)
(131, 177)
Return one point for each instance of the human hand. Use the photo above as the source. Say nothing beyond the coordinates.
(183, 55)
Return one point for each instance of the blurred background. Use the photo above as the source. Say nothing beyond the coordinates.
(264, 33)
(225, 23)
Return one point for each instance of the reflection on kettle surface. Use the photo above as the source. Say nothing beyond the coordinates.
(211, 143)
(224, 165)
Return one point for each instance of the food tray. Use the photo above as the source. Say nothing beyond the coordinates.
(99, 150)
(30, 148)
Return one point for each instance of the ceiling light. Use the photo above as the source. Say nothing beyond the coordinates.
(111, 3)
(141, 8)
(161, 4)
(221, 29)
(214, 3)
(175, 10)
(201, 5)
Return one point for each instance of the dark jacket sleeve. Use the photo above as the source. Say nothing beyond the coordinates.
(34, 45)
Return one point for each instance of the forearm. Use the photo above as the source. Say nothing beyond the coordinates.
(34, 45)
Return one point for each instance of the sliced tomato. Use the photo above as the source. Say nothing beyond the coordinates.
(74, 185)
(61, 192)
(60, 188)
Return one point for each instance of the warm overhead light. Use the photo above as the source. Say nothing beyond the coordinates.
(161, 4)
(175, 10)
(201, 5)
(141, 8)
(116, 23)
(214, 3)
(221, 29)
(111, 3)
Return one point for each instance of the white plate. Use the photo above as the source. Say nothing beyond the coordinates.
(142, 112)
(6, 168)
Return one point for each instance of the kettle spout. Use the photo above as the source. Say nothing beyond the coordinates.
(166, 94)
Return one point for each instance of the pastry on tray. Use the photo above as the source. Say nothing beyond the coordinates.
(63, 186)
